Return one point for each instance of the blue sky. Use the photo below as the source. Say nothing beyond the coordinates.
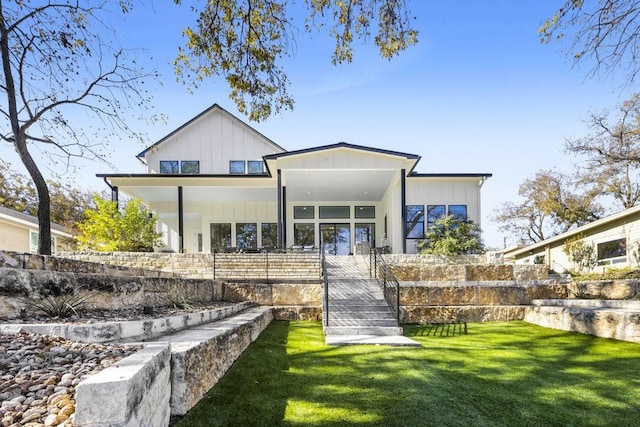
(479, 93)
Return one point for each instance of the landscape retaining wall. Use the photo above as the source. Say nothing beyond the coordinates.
(133, 392)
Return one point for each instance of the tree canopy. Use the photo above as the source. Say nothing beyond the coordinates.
(603, 31)
(451, 235)
(68, 203)
(107, 228)
(246, 41)
(550, 203)
(57, 59)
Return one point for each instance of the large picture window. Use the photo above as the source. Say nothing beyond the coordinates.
(247, 235)
(434, 213)
(220, 236)
(304, 234)
(414, 222)
(169, 166)
(269, 234)
(458, 211)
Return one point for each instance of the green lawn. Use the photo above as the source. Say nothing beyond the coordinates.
(500, 374)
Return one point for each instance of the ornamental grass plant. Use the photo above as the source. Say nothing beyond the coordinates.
(500, 374)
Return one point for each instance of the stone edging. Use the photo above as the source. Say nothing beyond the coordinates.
(125, 331)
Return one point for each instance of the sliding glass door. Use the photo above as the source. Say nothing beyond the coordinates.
(336, 239)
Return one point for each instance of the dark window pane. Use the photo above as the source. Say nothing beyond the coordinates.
(256, 167)
(434, 213)
(190, 166)
(365, 211)
(220, 236)
(415, 222)
(334, 212)
(269, 235)
(169, 166)
(303, 212)
(458, 211)
(236, 167)
(612, 249)
(247, 235)
(304, 234)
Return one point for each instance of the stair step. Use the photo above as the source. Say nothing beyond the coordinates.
(363, 330)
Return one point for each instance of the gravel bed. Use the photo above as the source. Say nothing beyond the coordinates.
(38, 376)
(38, 373)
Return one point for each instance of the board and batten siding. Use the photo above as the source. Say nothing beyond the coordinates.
(452, 191)
(341, 158)
(214, 139)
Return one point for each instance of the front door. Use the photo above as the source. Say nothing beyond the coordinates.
(336, 239)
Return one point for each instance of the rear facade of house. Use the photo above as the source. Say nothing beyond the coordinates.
(216, 183)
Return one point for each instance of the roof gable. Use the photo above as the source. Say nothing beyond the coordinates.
(203, 114)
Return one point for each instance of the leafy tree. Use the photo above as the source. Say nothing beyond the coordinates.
(451, 235)
(245, 40)
(68, 204)
(612, 154)
(605, 31)
(57, 58)
(107, 228)
(582, 255)
(551, 203)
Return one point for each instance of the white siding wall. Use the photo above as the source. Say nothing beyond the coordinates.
(214, 139)
(438, 191)
(13, 237)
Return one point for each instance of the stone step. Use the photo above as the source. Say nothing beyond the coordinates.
(354, 321)
(363, 330)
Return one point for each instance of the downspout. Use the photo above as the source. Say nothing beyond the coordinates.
(403, 201)
(180, 221)
(279, 208)
(114, 190)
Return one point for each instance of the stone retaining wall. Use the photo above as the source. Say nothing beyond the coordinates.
(133, 392)
(272, 267)
(496, 301)
(618, 320)
(418, 268)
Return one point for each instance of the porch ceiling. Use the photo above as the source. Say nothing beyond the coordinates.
(337, 185)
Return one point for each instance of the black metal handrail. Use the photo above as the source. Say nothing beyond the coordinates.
(264, 253)
(325, 290)
(379, 269)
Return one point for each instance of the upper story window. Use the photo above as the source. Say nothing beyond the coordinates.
(185, 166)
(190, 166)
(255, 167)
(341, 212)
(169, 166)
(237, 167)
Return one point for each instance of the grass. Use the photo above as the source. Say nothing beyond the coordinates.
(500, 374)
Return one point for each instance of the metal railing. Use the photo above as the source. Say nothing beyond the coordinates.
(379, 269)
(325, 290)
(260, 267)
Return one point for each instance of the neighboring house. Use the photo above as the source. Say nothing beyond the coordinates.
(614, 238)
(216, 183)
(19, 233)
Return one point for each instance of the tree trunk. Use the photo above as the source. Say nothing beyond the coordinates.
(20, 144)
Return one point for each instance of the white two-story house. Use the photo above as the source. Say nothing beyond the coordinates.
(216, 183)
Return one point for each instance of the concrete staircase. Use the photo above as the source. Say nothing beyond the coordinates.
(356, 304)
